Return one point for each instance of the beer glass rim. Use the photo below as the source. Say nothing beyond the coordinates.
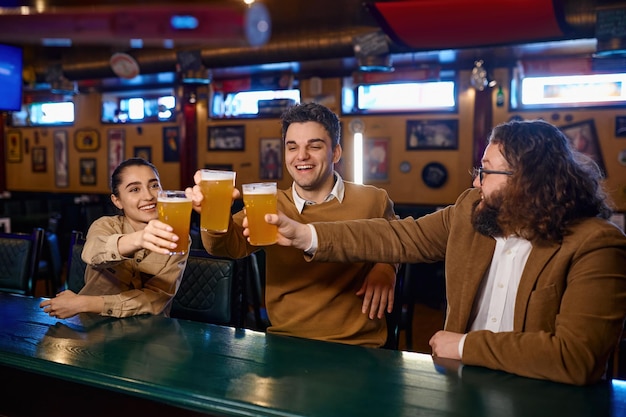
(252, 186)
(261, 184)
(172, 194)
(216, 174)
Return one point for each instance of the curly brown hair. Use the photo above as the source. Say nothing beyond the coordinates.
(552, 184)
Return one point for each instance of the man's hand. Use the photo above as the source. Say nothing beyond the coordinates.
(195, 193)
(378, 291)
(196, 196)
(290, 232)
(446, 344)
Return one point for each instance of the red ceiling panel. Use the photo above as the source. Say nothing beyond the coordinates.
(206, 24)
(444, 24)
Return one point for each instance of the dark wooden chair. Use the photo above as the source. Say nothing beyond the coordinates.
(254, 291)
(395, 318)
(50, 264)
(75, 280)
(212, 290)
(19, 261)
(415, 283)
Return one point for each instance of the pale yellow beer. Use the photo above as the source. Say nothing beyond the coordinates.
(260, 199)
(217, 189)
(175, 209)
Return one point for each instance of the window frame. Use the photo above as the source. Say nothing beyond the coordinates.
(516, 89)
(145, 95)
(28, 109)
(349, 86)
(282, 104)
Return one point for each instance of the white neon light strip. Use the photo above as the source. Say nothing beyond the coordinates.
(358, 158)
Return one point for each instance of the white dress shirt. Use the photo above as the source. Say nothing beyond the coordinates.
(494, 307)
(337, 192)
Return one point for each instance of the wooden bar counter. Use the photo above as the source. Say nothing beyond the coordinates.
(156, 366)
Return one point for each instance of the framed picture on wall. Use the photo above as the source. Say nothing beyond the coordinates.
(171, 144)
(219, 167)
(14, 146)
(585, 139)
(620, 126)
(271, 159)
(88, 171)
(39, 159)
(376, 159)
(117, 144)
(144, 152)
(61, 177)
(87, 140)
(226, 138)
(432, 134)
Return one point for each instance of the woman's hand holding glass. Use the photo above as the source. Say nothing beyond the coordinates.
(156, 237)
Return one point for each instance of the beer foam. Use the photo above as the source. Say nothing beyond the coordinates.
(173, 199)
(260, 188)
(212, 175)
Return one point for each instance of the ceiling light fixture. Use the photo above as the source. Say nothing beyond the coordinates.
(372, 52)
(191, 68)
(478, 78)
(58, 83)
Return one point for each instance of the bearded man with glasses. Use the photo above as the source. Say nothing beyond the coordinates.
(535, 272)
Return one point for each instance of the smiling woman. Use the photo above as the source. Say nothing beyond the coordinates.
(131, 269)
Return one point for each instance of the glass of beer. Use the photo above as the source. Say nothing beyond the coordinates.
(260, 199)
(174, 208)
(217, 189)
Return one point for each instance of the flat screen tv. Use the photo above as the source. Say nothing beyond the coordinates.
(11, 61)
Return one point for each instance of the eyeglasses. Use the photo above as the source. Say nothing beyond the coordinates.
(480, 173)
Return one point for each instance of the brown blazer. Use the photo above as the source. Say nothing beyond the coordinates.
(571, 301)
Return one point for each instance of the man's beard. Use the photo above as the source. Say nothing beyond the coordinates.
(485, 217)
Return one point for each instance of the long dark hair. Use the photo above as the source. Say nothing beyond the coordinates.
(553, 185)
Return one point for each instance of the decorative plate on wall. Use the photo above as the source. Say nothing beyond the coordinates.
(357, 126)
(405, 166)
(434, 175)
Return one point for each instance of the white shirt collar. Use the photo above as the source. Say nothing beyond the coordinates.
(337, 192)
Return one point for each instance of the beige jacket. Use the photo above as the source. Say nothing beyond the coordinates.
(143, 284)
(571, 301)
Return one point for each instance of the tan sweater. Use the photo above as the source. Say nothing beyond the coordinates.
(315, 300)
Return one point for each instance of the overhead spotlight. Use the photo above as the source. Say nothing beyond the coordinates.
(610, 32)
(191, 68)
(199, 76)
(371, 63)
(372, 52)
(58, 83)
(64, 86)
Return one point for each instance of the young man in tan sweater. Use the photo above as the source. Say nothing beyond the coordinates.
(336, 302)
